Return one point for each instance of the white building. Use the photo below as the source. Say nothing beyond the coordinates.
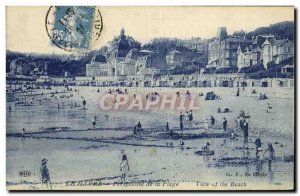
(99, 67)
(277, 51)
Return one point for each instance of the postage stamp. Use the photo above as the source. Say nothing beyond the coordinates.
(73, 27)
(161, 99)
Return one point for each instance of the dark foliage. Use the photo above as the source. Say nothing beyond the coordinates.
(281, 30)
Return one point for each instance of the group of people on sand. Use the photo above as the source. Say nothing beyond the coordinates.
(260, 154)
(188, 117)
(152, 96)
(118, 91)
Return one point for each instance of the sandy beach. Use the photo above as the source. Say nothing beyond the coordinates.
(80, 153)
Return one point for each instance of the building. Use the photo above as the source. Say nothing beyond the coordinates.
(288, 70)
(196, 44)
(174, 57)
(246, 56)
(20, 66)
(222, 52)
(143, 61)
(276, 51)
(99, 67)
(249, 55)
(121, 53)
(39, 68)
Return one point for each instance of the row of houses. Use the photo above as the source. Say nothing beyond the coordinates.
(22, 66)
(264, 50)
(239, 52)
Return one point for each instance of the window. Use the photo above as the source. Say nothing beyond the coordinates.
(287, 49)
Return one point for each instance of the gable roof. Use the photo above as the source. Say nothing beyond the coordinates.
(275, 42)
(280, 42)
(175, 52)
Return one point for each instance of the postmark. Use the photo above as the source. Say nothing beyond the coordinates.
(74, 28)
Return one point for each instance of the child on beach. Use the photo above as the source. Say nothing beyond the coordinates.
(206, 125)
(206, 148)
(94, 123)
(246, 154)
(260, 155)
(124, 168)
(181, 144)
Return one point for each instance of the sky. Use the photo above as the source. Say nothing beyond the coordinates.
(26, 32)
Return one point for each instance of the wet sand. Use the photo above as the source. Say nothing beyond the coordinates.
(77, 152)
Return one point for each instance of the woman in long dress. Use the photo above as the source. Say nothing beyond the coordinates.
(124, 168)
(270, 152)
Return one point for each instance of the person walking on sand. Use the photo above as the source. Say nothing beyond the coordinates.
(45, 177)
(124, 168)
(225, 124)
(23, 134)
(270, 154)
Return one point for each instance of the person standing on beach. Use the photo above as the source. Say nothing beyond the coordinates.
(124, 168)
(257, 143)
(212, 121)
(270, 154)
(246, 154)
(181, 117)
(94, 122)
(181, 144)
(260, 156)
(206, 125)
(23, 134)
(84, 103)
(190, 116)
(241, 123)
(225, 124)
(167, 127)
(246, 132)
(236, 123)
(45, 177)
(238, 92)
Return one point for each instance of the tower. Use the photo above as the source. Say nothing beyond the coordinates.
(222, 33)
(122, 33)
